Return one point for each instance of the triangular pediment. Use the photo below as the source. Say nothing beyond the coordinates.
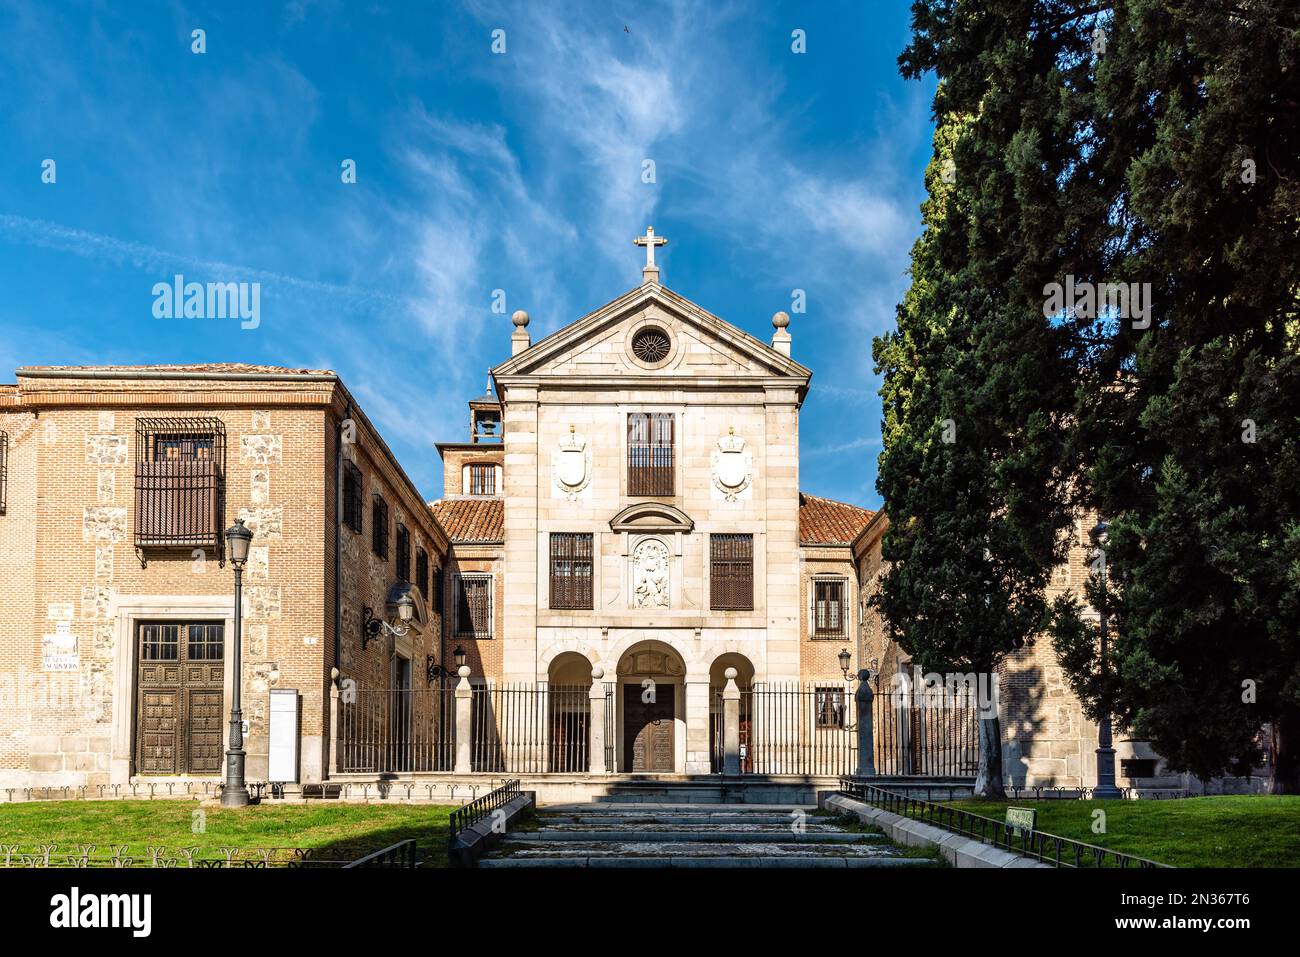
(699, 344)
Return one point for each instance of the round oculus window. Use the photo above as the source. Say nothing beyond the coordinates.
(651, 345)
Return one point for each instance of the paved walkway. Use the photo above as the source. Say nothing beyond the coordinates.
(622, 834)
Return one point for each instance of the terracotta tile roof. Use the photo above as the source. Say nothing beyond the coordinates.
(823, 521)
(471, 520)
(208, 367)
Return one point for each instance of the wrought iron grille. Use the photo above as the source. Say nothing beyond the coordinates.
(474, 606)
(379, 526)
(787, 736)
(403, 553)
(482, 480)
(352, 497)
(650, 453)
(397, 730)
(731, 572)
(530, 728)
(828, 609)
(180, 466)
(925, 730)
(651, 345)
(571, 559)
(4, 470)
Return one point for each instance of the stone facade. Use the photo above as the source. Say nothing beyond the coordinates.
(74, 586)
(565, 405)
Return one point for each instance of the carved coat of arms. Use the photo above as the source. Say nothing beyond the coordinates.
(571, 464)
(733, 466)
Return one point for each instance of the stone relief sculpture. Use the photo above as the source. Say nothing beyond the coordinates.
(733, 466)
(650, 575)
(571, 465)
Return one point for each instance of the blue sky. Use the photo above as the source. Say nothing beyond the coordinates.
(476, 171)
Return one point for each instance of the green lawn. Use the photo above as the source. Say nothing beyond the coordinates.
(1227, 831)
(341, 832)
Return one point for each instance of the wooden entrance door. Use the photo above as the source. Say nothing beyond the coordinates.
(648, 729)
(179, 674)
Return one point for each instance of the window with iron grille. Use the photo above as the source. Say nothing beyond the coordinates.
(473, 606)
(403, 553)
(4, 470)
(482, 480)
(439, 581)
(571, 570)
(832, 707)
(379, 526)
(352, 497)
(731, 572)
(828, 608)
(650, 455)
(179, 482)
(422, 572)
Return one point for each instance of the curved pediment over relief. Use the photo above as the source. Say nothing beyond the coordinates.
(650, 663)
(651, 517)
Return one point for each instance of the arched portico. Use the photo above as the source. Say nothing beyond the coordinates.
(651, 712)
(717, 683)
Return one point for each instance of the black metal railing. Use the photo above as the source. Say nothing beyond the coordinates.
(526, 728)
(396, 730)
(932, 731)
(480, 808)
(1040, 845)
(401, 854)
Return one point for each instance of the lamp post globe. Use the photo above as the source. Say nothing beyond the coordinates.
(235, 791)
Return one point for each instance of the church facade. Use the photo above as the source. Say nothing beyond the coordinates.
(628, 508)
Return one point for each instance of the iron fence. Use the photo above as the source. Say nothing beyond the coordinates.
(396, 730)
(529, 728)
(401, 854)
(931, 731)
(1040, 845)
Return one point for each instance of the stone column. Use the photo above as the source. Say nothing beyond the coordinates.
(596, 722)
(731, 724)
(699, 759)
(464, 722)
(333, 730)
(866, 740)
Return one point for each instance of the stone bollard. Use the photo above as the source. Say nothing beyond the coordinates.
(464, 722)
(731, 724)
(596, 722)
(866, 740)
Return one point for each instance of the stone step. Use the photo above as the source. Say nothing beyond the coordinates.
(629, 807)
(687, 821)
(680, 835)
(678, 862)
(517, 846)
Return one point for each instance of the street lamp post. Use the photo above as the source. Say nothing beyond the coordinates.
(1105, 788)
(235, 793)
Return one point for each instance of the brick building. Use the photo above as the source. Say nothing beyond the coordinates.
(116, 603)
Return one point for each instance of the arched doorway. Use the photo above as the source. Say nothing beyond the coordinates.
(652, 709)
(717, 682)
(568, 705)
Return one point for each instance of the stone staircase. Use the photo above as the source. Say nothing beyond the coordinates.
(624, 833)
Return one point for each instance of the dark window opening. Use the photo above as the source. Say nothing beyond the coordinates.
(403, 553)
(828, 609)
(379, 526)
(352, 497)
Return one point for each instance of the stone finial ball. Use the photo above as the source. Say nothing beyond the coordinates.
(520, 318)
(730, 674)
(598, 672)
(463, 671)
(780, 320)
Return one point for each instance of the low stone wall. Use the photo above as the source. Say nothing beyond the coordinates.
(480, 837)
(957, 850)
